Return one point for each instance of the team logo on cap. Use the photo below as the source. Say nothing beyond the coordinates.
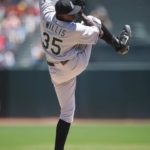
(72, 5)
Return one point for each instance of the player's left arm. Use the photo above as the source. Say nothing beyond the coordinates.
(120, 43)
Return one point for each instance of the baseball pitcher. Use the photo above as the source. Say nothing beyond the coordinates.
(67, 45)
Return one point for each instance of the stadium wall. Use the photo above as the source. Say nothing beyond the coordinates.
(99, 94)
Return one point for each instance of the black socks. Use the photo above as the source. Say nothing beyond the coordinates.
(62, 130)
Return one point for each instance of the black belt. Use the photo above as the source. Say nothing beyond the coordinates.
(52, 64)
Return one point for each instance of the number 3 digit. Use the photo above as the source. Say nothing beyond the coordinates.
(46, 40)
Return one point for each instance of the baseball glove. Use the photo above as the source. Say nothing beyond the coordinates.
(79, 2)
(124, 40)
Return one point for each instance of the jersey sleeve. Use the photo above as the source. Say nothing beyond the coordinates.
(88, 35)
(81, 34)
(47, 7)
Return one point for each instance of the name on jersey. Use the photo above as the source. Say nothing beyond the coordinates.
(55, 29)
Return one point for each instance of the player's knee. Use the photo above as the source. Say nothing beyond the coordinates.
(83, 58)
(83, 64)
(68, 115)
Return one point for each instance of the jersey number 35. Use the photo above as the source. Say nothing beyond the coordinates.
(51, 43)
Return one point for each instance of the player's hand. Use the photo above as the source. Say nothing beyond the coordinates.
(87, 20)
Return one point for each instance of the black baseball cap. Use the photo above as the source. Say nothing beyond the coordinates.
(66, 7)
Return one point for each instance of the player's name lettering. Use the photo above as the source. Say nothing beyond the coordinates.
(55, 29)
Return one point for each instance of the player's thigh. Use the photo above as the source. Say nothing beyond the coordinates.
(80, 62)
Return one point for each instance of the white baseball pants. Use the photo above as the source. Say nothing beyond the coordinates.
(64, 80)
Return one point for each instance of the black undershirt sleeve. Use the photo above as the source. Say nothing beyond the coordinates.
(109, 38)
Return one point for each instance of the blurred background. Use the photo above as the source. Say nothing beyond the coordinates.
(113, 86)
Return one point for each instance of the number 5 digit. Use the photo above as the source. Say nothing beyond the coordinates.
(55, 43)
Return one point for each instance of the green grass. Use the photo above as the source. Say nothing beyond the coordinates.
(93, 136)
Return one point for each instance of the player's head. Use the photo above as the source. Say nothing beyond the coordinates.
(66, 10)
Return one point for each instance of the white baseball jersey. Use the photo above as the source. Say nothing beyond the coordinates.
(62, 40)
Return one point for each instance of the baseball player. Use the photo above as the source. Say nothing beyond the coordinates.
(67, 45)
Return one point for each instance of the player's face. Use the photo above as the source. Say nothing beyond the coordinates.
(71, 17)
(67, 18)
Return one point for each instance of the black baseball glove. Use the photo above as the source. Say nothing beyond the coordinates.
(79, 2)
(124, 39)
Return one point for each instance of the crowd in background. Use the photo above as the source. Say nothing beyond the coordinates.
(18, 19)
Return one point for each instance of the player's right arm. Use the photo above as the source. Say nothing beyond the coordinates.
(47, 7)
